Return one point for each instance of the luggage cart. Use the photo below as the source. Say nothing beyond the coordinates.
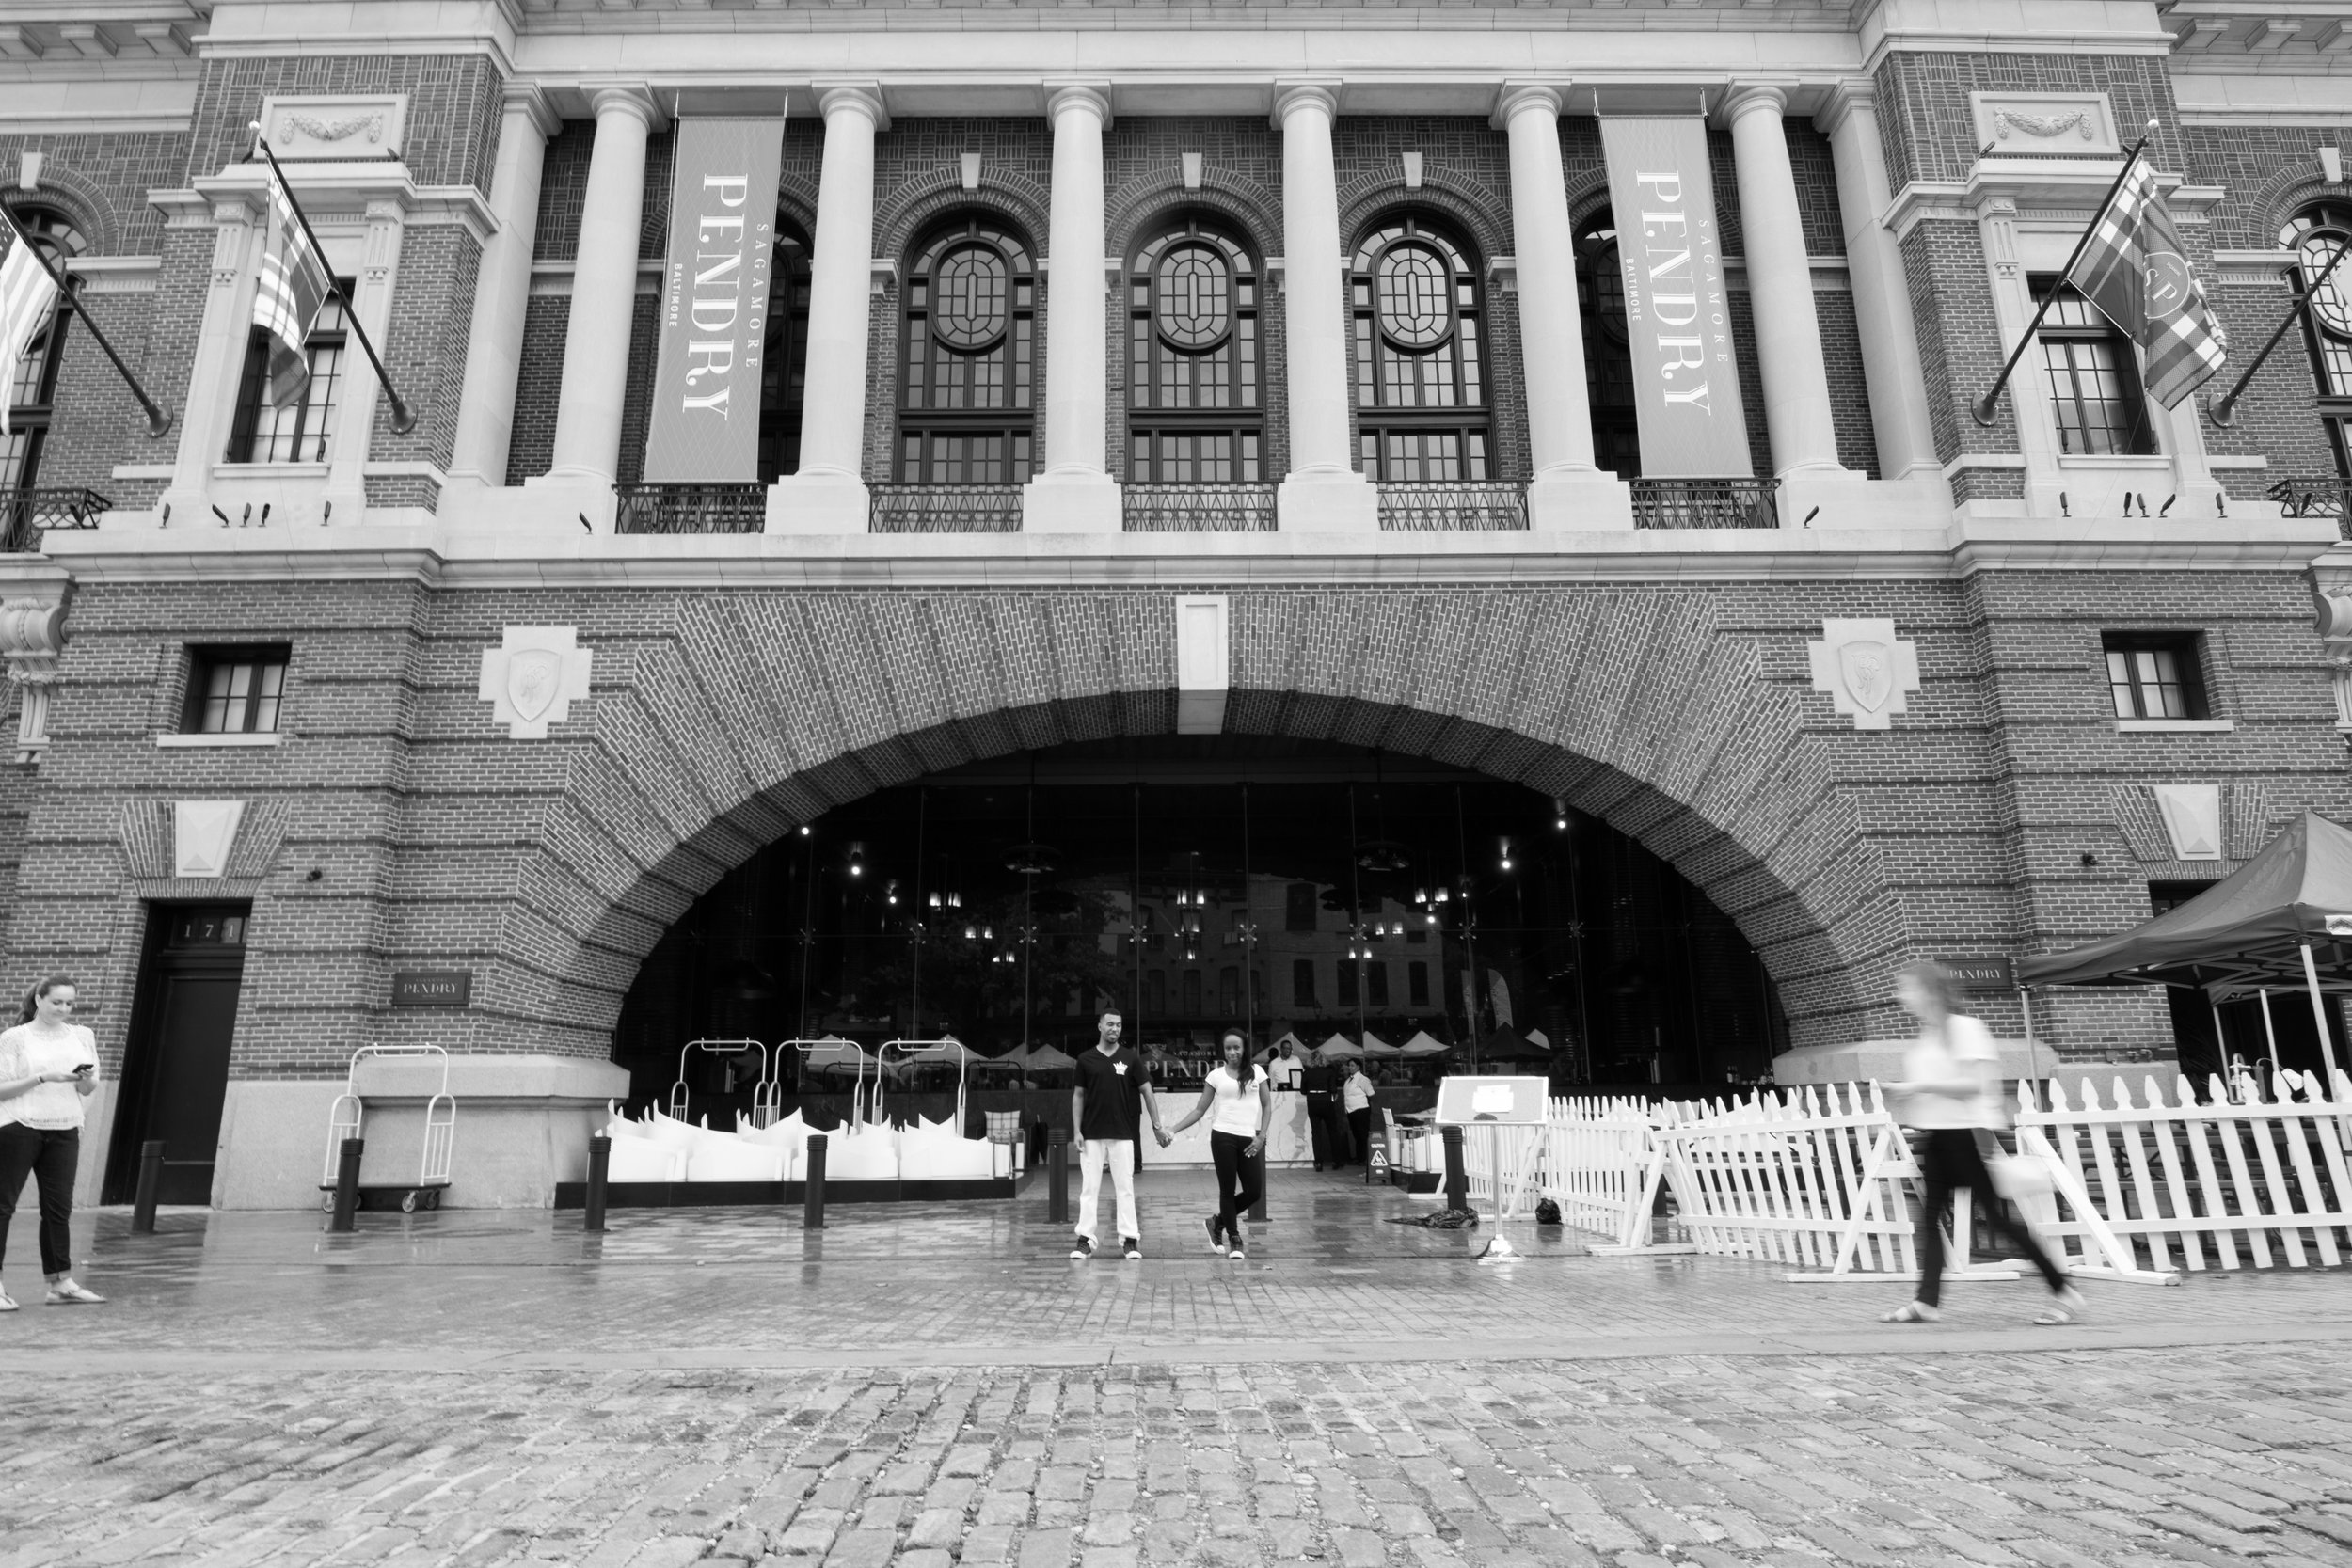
(347, 1119)
(765, 1096)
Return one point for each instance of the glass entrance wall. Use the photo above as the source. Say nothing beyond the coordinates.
(1202, 883)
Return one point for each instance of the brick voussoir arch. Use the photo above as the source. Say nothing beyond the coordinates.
(799, 702)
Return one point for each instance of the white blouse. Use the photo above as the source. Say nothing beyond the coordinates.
(28, 1051)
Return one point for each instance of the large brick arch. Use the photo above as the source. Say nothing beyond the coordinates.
(753, 712)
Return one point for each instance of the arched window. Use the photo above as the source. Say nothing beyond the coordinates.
(2317, 234)
(30, 394)
(1421, 370)
(1192, 361)
(1608, 356)
(970, 339)
(784, 359)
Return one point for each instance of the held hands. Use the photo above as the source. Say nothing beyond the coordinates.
(1164, 1136)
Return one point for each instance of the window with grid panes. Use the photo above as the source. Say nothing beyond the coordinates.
(1347, 979)
(2155, 676)
(1420, 353)
(1193, 403)
(784, 363)
(299, 430)
(1302, 983)
(235, 691)
(1607, 350)
(2093, 379)
(1417, 985)
(968, 336)
(34, 389)
(2317, 236)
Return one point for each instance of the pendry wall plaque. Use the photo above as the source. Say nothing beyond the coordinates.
(532, 679)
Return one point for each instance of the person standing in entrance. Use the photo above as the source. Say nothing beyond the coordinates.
(48, 1067)
(1242, 1097)
(1107, 1106)
(1356, 1096)
(1951, 1093)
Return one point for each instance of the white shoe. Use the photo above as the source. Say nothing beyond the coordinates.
(66, 1293)
(8, 1301)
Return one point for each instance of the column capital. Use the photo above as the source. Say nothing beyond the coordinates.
(1747, 97)
(1843, 101)
(853, 98)
(634, 99)
(1513, 98)
(518, 97)
(1078, 96)
(1290, 96)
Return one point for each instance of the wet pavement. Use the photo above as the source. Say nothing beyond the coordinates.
(939, 1384)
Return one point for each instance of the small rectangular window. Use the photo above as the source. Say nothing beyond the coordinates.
(2155, 676)
(1299, 908)
(1377, 985)
(2093, 379)
(298, 432)
(1417, 985)
(1347, 984)
(1303, 982)
(235, 691)
(1192, 993)
(1155, 993)
(1228, 992)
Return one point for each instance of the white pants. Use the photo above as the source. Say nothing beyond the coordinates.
(1120, 1152)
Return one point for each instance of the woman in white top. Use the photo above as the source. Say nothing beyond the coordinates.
(1240, 1096)
(1951, 1092)
(48, 1067)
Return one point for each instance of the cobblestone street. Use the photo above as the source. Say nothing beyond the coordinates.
(942, 1386)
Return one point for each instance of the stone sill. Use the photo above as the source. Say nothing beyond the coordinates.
(2175, 726)
(198, 742)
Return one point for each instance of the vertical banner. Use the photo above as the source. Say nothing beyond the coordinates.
(714, 303)
(1686, 382)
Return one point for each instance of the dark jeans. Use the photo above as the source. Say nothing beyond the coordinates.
(1238, 1183)
(1330, 1128)
(1948, 1161)
(1360, 1123)
(50, 1155)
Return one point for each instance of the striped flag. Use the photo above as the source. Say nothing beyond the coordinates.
(294, 286)
(2135, 270)
(27, 293)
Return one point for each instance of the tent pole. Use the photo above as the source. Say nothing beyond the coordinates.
(2221, 1040)
(2033, 1051)
(2319, 1016)
(2271, 1034)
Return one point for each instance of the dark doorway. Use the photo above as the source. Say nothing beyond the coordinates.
(175, 1077)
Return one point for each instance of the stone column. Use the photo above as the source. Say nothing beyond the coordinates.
(604, 296)
(1567, 490)
(827, 494)
(494, 348)
(1073, 493)
(1881, 297)
(1323, 490)
(211, 409)
(346, 497)
(1780, 292)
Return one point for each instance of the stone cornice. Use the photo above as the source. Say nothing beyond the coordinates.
(332, 193)
(2033, 188)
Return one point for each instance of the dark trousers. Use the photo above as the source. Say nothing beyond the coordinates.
(1239, 1185)
(50, 1155)
(1330, 1128)
(1948, 1161)
(1360, 1124)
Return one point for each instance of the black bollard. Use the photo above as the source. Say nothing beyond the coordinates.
(813, 1196)
(600, 1172)
(1057, 1175)
(151, 1175)
(1257, 1210)
(346, 1184)
(1456, 1179)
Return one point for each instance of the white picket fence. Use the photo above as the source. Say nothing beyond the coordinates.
(1822, 1179)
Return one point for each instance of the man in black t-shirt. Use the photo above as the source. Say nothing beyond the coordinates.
(1107, 1108)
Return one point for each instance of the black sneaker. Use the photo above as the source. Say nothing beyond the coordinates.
(1217, 1235)
(1082, 1247)
(1237, 1250)
(1130, 1248)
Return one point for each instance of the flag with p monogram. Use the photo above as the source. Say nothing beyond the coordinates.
(2135, 270)
(27, 292)
(292, 288)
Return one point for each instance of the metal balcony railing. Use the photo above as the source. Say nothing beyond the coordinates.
(1452, 507)
(25, 516)
(690, 508)
(944, 509)
(1199, 508)
(1706, 504)
(2328, 497)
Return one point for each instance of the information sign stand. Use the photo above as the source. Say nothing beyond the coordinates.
(1494, 1103)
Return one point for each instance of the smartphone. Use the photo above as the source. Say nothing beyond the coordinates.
(84, 1070)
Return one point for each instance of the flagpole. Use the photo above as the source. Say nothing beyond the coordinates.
(404, 417)
(1983, 407)
(157, 420)
(2223, 409)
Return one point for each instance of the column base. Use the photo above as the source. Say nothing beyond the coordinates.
(818, 504)
(1594, 502)
(471, 500)
(1846, 499)
(1071, 504)
(559, 504)
(1326, 503)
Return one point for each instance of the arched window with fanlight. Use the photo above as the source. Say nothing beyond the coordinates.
(783, 357)
(968, 342)
(1194, 411)
(1420, 355)
(34, 389)
(1608, 351)
(2317, 236)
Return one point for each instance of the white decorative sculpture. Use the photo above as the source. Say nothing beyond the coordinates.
(32, 635)
(1866, 671)
(2192, 815)
(202, 834)
(532, 679)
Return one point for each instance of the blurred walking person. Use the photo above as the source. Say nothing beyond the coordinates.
(1238, 1098)
(48, 1067)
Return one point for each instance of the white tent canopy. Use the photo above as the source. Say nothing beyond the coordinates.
(1421, 1044)
(1304, 1050)
(1339, 1048)
(1375, 1046)
(1043, 1058)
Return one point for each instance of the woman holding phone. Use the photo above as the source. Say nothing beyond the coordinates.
(1239, 1095)
(48, 1067)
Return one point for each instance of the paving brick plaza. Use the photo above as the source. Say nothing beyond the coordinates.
(940, 1385)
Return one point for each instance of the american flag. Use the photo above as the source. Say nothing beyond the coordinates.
(2135, 270)
(27, 293)
(294, 286)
